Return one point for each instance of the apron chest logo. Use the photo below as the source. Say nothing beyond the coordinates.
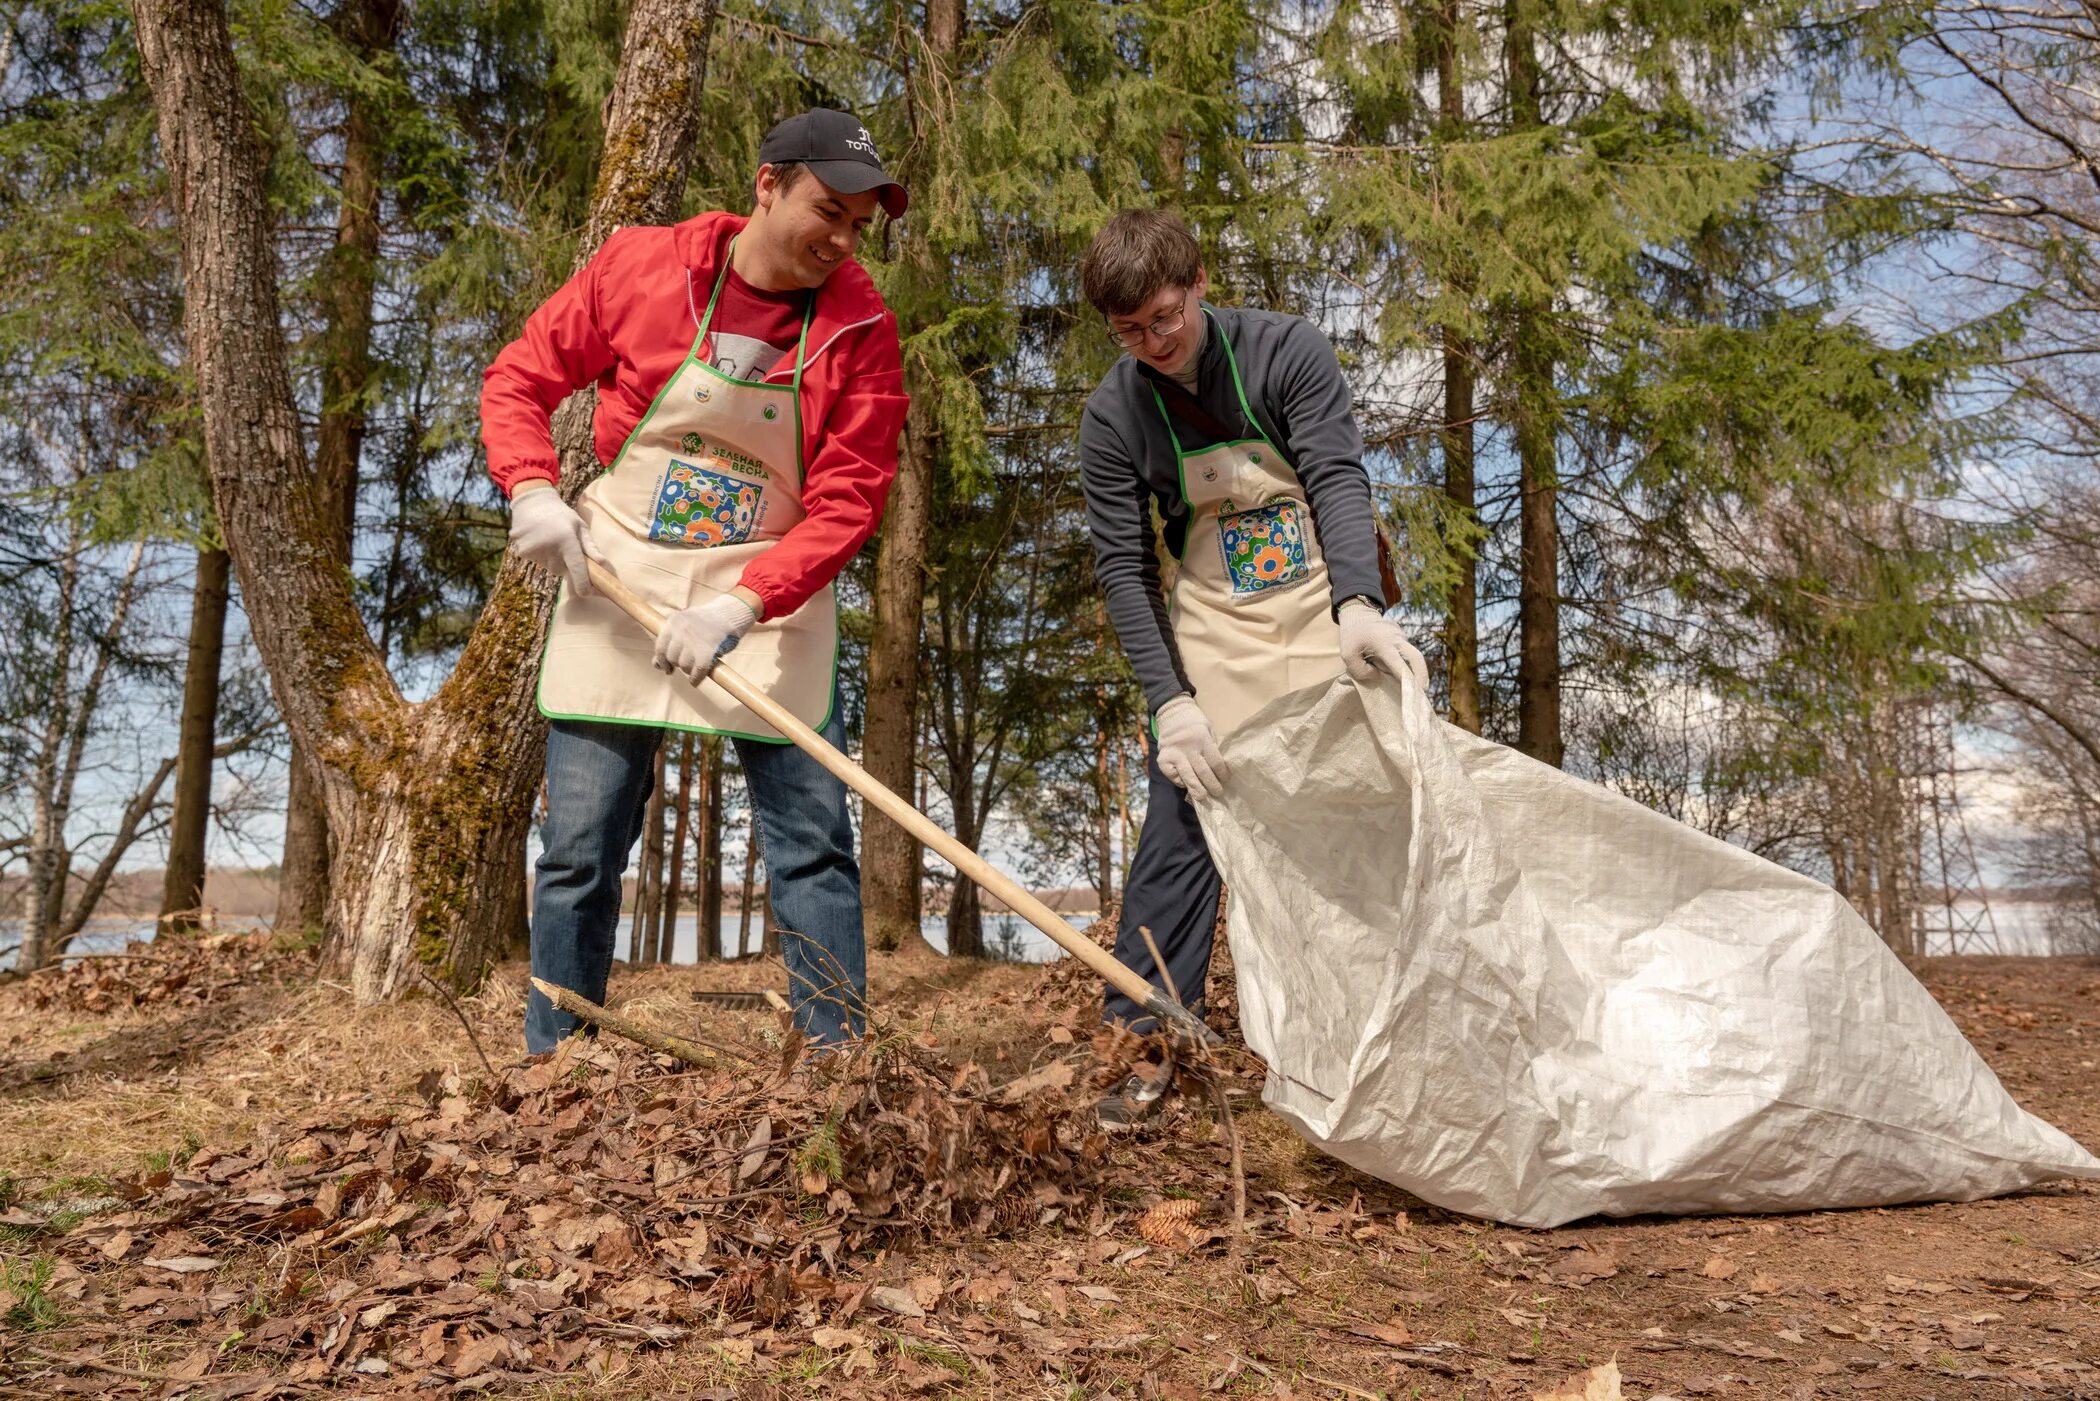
(697, 507)
(1264, 547)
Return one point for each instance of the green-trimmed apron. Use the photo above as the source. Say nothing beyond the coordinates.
(1252, 613)
(707, 482)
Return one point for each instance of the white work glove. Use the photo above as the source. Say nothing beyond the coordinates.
(1372, 643)
(546, 531)
(1188, 749)
(693, 639)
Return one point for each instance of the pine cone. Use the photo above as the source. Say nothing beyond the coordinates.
(1171, 1224)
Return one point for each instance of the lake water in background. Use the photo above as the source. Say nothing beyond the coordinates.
(2013, 928)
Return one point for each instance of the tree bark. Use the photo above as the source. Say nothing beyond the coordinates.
(1537, 430)
(182, 885)
(426, 804)
(368, 29)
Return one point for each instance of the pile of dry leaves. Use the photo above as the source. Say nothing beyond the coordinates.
(600, 1196)
(172, 972)
(1067, 984)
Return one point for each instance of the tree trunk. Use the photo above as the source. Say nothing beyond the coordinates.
(1462, 627)
(649, 875)
(674, 865)
(1104, 798)
(368, 30)
(55, 772)
(182, 885)
(1537, 428)
(768, 919)
(965, 906)
(426, 804)
(1538, 590)
(47, 829)
(710, 942)
(750, 892)
(302, 869)
(890, 856)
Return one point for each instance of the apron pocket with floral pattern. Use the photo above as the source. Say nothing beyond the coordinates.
(695, 506)
(1264, 547)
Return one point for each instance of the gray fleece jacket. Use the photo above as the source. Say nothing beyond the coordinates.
(1126, 463)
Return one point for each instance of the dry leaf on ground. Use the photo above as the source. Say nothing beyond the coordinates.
(1599, 1383)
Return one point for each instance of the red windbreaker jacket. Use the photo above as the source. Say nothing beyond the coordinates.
(628, 319)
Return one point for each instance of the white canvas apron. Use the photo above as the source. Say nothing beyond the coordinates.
(1252, 614)
(708, 480)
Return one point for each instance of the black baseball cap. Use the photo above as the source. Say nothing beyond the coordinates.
(838, 150)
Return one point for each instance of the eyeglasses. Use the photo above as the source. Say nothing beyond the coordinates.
(1162, 327)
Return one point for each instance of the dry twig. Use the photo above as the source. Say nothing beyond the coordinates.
(577, 1005)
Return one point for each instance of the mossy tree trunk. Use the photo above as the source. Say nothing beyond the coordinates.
(427, 803)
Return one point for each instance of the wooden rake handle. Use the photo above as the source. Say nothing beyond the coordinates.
(1181, 1024)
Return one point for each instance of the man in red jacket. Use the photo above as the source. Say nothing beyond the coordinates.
(750, 396)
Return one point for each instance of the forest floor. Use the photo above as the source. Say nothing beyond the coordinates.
(218, 1179)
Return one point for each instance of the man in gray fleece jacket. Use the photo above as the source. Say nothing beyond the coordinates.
(1237, 425)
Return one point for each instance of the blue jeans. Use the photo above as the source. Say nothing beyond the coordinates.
(598, 781)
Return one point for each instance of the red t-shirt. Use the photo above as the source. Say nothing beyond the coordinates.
(753, 330)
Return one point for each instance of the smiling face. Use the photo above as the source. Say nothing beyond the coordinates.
(1168, 354)
(804, 231)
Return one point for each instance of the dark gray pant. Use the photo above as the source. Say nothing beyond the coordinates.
(1172, 890)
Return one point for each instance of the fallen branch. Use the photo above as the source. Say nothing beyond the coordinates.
(676, 1047)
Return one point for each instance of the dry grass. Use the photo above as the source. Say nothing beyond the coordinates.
(1991, 1298)
(282, 1052)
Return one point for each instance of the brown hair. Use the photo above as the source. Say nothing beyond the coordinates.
(1136, 253)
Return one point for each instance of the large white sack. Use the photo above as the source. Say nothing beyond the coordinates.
(1521, 996)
